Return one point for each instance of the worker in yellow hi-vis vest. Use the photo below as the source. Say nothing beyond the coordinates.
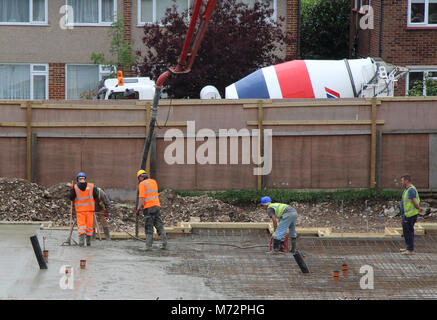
(410, 208)
(283, 217)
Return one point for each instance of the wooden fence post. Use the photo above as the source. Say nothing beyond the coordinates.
(260, 143)
(373, 146)
(29, 140)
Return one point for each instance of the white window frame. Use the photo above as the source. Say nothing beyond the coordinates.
(142, 23)
(100, 23)
(425, 71)
(102, 73)
(39, 73)
(35, 73)
(31, 22)
(425, 20)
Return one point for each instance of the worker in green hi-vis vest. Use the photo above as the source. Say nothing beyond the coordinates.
(410, 208)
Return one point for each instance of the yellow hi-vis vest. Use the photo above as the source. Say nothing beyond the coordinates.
(279, 208)
(409, 208)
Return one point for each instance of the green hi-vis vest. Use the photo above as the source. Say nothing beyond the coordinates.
(101, 203)
(409, 208)
(279, 208)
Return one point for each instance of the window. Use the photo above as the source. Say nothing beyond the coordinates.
(422, 12)
(23, 11)
(82, 79)
(91, 12)
(272, 3)
(422, 82)
(152, 11)
(23, 81)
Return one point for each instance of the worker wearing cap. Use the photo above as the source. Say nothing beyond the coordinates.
(410, 208)
(283, 217)
(103, 205)
(148, 203)
(84, 195)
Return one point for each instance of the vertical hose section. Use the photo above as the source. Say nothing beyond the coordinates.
(351, 78)
(300, 262)
(38, 253)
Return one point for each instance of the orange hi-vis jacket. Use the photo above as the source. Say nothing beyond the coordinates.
(148, 189)
(84, 201)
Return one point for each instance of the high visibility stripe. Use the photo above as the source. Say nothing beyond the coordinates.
(151, 191)
(151, 198)
(84, 204)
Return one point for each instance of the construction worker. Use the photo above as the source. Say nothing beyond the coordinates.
(286, 215)
(103, 205)
(148, 203)
(410, 208)
(85, 196)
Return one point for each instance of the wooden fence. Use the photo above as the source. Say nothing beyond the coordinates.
(315, 144)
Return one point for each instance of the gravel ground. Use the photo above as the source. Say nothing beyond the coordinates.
(24, 201)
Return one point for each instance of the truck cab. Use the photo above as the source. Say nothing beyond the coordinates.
(139, 88)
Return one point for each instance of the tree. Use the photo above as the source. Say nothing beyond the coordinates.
(121, 50)
(239, 40)
(325, 29)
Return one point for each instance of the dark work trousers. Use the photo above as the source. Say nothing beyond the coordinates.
(152, 218)
(408, 230)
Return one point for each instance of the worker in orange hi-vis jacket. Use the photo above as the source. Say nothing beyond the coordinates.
(148, 203)
(85, 196)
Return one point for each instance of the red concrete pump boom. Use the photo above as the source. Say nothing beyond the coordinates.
(202, 12)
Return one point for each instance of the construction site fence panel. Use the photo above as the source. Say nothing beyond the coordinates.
(224, 144)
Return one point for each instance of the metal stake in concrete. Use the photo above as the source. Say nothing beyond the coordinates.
(342, 217)
(367, 217)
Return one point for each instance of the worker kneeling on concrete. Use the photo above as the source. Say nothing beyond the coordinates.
(103, 205)
(84, 195)
(148, 203)
(286, 215)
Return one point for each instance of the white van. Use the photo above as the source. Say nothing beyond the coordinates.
(141, 88)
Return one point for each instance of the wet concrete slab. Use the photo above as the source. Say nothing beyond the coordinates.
(215, 264)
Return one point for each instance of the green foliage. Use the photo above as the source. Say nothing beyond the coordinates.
(417, 88)
(120, 49)
(325, 29)
(253, 196)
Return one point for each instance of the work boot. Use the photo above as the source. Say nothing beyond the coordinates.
(276, 244)
(81, 240)
(88, 241)
(164, 246)
(107, 235)
(408, 252)
(282, 246)
(293, 245)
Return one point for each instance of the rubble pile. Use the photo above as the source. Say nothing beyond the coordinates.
(175, 208)
(24, 201)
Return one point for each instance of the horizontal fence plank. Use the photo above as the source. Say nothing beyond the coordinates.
(312, 104)
(91, 124)
(313, 122)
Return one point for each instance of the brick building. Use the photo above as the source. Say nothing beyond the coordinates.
(46, 52)
(404, 33)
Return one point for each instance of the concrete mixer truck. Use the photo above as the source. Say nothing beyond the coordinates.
(298, 79)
